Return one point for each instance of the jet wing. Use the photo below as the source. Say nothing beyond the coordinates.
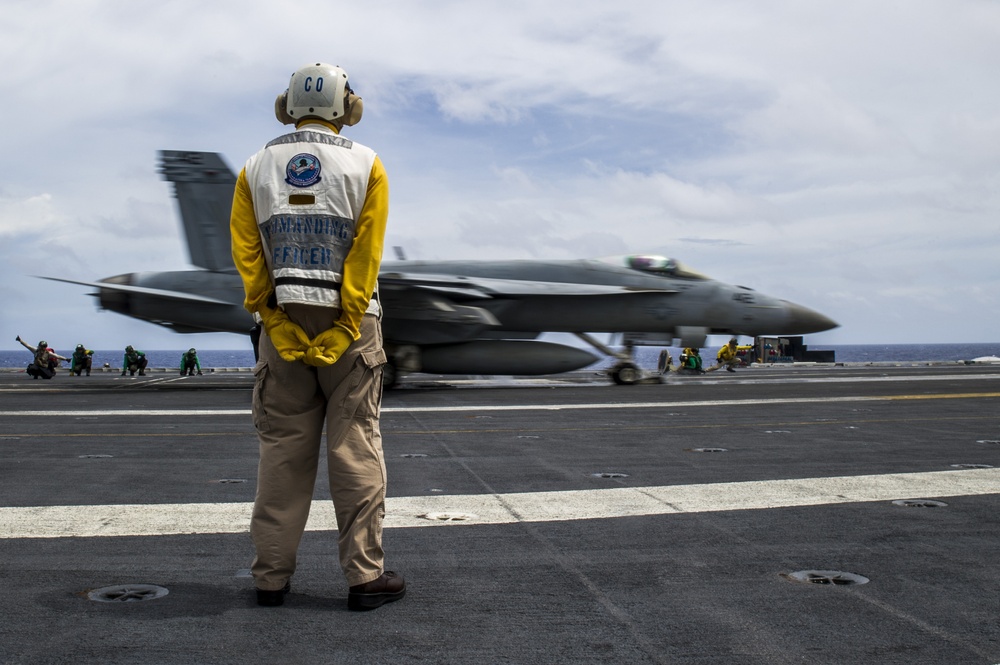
(466, 287)
(416, 316)
(440, 308)
(179, 296)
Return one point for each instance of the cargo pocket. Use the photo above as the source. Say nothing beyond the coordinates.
(260, 375)
(364, 397)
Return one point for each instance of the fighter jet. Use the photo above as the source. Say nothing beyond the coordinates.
(461, 317)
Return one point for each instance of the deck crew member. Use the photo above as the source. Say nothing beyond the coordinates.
(691, 361)
(134, 360)
(45, 361)
(190, 362)
(308, 228)
(726, 357)
(82, 360)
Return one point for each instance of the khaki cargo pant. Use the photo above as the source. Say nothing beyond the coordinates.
(291, 403)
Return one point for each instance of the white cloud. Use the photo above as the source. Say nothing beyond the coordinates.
(843, 155)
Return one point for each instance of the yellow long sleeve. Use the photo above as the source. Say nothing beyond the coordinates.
(362, 264)
(248, 250)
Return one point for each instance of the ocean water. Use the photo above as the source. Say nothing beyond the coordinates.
(159, 358)
(645, 356)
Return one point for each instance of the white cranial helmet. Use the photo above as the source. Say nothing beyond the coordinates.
(318, 90)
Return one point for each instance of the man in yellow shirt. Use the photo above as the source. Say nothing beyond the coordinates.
(726, 357)
(308, 229)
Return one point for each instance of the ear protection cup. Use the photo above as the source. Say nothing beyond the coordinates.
(281, 109)
(355, 108)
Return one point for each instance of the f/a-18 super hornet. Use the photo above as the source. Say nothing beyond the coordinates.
(461, 317)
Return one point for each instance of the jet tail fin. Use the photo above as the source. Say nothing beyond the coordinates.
(203, 185)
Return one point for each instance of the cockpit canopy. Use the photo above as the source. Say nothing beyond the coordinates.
(659, 265)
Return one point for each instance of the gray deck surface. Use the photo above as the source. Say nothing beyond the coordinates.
(562, 520)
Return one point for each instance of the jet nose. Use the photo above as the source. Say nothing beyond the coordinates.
(802, 320)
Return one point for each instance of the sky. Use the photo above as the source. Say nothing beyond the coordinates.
(843, 155)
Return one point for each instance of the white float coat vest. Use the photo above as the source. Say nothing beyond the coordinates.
(308, 191)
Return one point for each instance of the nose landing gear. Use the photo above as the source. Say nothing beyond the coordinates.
(625, 372)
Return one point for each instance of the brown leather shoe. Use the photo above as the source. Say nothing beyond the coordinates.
(274, 598)
(387, 588)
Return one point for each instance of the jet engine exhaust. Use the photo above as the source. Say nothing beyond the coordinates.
(116, 301)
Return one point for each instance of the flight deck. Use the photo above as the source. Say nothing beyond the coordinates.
(827, 515)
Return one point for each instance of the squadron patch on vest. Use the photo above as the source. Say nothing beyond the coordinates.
(302, 170)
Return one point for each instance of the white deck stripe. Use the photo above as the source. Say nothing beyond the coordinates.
(515, 407)
(407, 512)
